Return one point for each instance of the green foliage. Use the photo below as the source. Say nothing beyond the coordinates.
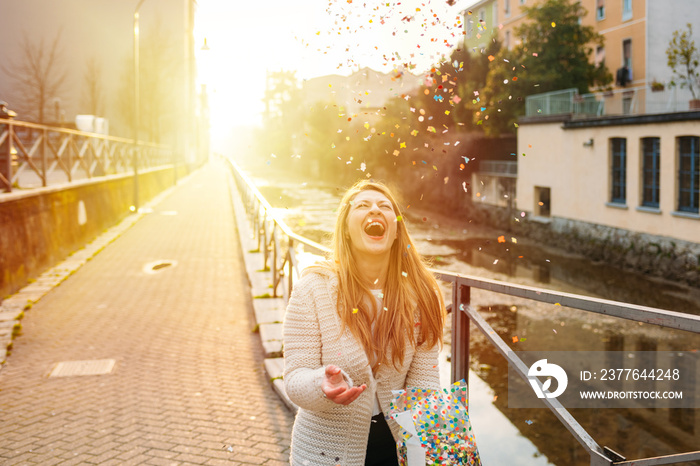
(321, 141)
(684, 59)
(553, 55)
(282, 122)
(472, 80)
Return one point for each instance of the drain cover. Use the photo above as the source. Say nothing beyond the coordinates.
(157, 266)
(91, 367)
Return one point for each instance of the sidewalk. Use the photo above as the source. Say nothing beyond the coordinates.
(187, 385)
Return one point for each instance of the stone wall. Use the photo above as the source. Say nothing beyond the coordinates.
(43, 226)
(659, 256)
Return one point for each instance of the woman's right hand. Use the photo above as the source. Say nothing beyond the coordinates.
(336, 389)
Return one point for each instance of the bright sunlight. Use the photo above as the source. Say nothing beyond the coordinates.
(247, 39)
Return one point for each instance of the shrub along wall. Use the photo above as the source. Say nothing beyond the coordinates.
(41, 227)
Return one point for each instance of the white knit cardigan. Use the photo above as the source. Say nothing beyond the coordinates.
(326, 433)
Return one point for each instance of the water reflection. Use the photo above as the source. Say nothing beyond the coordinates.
(535, 436)
(560, 271)
(636, 433)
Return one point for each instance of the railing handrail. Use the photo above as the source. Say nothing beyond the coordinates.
(58, 129)
(268, 207)
(463, 313)
(74, 154)
(649, 315)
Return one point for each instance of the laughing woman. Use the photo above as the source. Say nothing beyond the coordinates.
(365, 323)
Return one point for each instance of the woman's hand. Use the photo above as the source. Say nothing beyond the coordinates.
(336, 389)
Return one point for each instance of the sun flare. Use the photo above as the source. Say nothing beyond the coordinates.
(245, 40)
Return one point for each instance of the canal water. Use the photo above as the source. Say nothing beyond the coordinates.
(529, 436)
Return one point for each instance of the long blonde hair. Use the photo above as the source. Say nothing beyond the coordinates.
(410, 288)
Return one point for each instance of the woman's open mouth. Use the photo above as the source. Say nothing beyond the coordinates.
(375, 229)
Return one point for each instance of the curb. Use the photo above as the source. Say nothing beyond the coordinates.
(269, 312)
(13, 308)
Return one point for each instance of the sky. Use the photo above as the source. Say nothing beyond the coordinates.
(314, 38)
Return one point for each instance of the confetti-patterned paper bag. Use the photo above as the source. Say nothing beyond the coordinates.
(435, 426)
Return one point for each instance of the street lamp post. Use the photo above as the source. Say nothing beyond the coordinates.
(136, 104)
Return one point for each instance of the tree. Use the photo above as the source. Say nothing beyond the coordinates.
(554, 54)
(684, 59)
(93, 96)
(282, 120)
(159, 90)
(160, 84)
(472, 78)
(38, 75)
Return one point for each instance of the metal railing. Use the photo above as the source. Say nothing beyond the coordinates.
(639, 100)
(55, 154)
(550, 103)
(503, 168)
(280, 248)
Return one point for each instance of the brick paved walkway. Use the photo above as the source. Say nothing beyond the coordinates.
(188, 386)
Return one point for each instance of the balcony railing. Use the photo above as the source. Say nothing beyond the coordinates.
(639, 100)
(282, 248)
(34, 155)
(508, 169)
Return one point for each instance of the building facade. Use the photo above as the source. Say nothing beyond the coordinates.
(363, 92)
(480, 25)
(614, 174)
(626, 183)
(636, 33)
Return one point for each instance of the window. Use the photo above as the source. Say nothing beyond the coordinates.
(482, 16)
(626, 104)
(688, 173)
(600, 10)
(626, 10)
(600, 56)
(506, 41)
(507, 7)
(618, 154)
(627, 56)
(623, 76)
(650, 172)
(542, 201)
(522, 2)
(470, 28)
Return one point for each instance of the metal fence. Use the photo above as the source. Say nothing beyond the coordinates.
(281, 248)
(34, 155)
(550, 103)
(638, 100)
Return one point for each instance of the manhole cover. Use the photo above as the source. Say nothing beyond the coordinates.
(91, 367)
(157, 266)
